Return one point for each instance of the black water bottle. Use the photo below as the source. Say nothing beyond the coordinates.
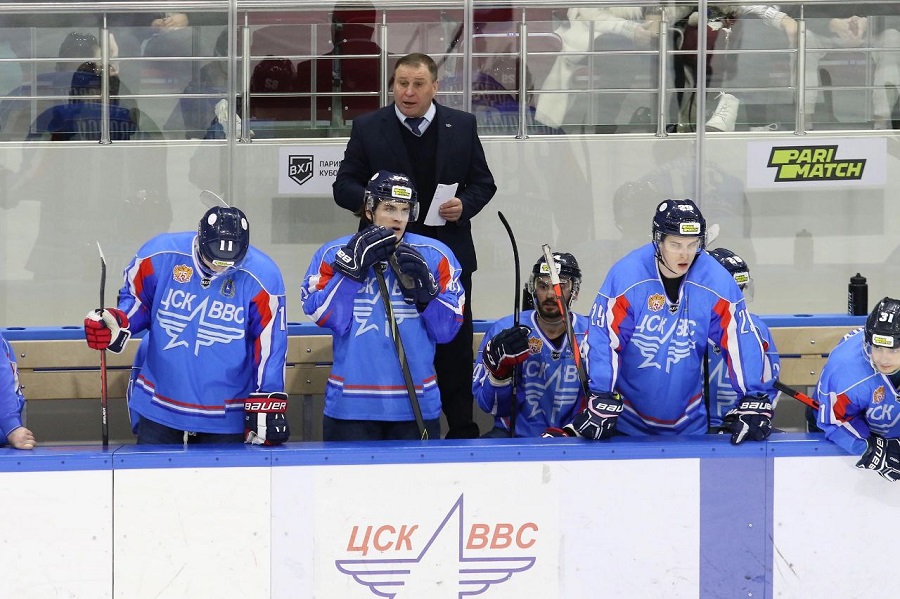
(857, 296)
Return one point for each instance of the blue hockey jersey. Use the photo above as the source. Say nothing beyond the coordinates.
(210, 342)
(366, 382)
(548, 392)
(854, 398)
(11, 399)
(722, 396)
(651, 351)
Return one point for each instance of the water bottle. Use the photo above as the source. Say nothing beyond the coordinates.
(857, 296)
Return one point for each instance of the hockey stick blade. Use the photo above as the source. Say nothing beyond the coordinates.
(712, 233)
(210, 199)
(102, 277)
(564, 310)
(801, 397)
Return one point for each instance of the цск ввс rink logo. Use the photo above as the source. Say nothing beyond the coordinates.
(300, 168)
(445, 564)
(814, 163)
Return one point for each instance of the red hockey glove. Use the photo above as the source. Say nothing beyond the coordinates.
(106, 329)
(265, 422)
(566, 431)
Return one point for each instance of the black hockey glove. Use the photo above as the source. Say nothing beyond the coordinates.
(598, 420)
(506, 349)
(751, 418)
(416, 279)
(883, 456)
(372, 244)
(265, 422)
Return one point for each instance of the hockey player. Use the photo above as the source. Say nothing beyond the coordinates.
(211, 367)
(858, 392)
(548, 389)
(367, 397)
(722, 396)
(12, 402)
(648, 333)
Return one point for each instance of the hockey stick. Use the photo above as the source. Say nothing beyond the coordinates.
(104, 405)
(564, 310)
(801, 397)
(401, 354)
(211, 199)
(514, 407)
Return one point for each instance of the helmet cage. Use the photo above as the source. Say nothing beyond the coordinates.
(567, 268)
(390, 187)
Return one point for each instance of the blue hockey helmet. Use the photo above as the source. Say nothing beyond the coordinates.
(385, 186)
(567, 268)
(883, 325)
(223, 236)
(679, 217)
(737, 267)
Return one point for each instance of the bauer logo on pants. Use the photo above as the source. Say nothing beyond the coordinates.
(301, 168)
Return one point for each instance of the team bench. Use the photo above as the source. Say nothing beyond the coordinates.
(56, 364)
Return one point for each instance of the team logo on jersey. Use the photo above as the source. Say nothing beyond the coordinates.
(400, 555)
(195, 325)
(535, 345)
(227, 288)
(182, 273)
(878, 395)
(656, 302)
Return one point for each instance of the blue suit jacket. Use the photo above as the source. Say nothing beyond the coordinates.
(376, 144)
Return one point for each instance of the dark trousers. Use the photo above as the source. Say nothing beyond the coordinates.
(154, 433)
(376, 430)
(454, 365)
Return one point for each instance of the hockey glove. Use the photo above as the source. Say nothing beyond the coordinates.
(506, 349)
(553, 432)
(265, 422)
(106, 329)
(416, 279)
(751, 418)
(883, 456)
(372, 244)
(598, 420)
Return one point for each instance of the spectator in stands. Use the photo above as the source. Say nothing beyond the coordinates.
(533, 360)
(850, 25)
(649, 329)
(352, 27)
(858, 392)
(178, 35)
(81, 117)
(385, 322)
(12, 403)
(593, 31)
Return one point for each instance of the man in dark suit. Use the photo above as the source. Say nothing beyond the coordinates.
(431, 144)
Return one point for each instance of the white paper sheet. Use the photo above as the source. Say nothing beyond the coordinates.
(441, 194)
